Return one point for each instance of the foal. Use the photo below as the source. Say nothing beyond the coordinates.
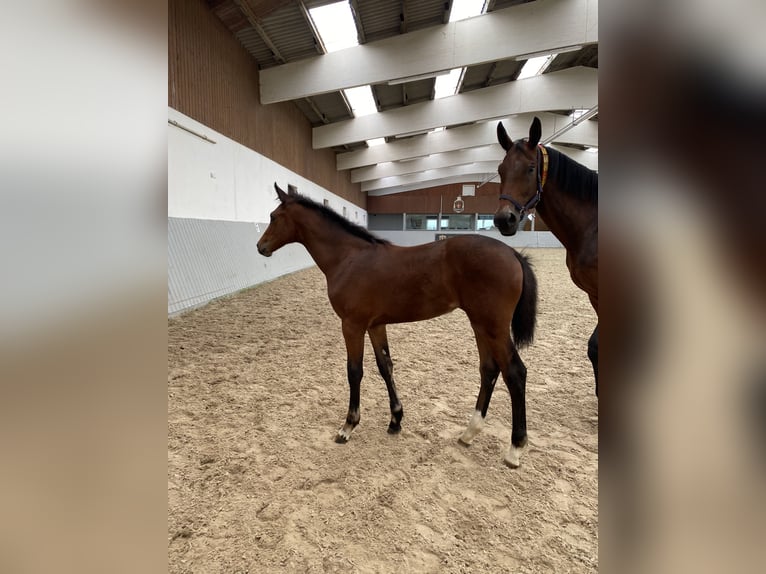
(371, 283)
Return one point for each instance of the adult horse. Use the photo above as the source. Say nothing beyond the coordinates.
(565, 194)
(372, 283)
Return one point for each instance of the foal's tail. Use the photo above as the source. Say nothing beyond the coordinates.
(525, 314)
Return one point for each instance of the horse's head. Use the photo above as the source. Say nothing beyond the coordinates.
(519, 178)
(281, 229)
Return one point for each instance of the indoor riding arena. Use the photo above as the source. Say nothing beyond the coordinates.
(382, 116)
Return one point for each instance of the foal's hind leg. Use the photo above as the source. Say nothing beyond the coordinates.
(515, 377)
(355, 351)
(489, 373)
(379, 341)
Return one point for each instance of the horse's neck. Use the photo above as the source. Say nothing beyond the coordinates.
(328, 245)
(566, 216)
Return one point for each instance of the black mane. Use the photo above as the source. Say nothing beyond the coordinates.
(333, 217)
(572, 177)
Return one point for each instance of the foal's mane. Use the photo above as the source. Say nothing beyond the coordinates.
(338, 220)
(572, 177)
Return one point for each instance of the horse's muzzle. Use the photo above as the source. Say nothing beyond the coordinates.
(506, 222)
(263, 250)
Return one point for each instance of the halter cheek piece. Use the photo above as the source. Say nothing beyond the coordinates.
(542, 175)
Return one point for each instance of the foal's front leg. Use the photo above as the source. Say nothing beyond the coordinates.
(355, 351)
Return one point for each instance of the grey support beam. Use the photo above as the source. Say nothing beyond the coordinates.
(567, 89)
(524, 29)
(465, 137)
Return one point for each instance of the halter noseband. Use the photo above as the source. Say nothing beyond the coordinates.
(542, 175)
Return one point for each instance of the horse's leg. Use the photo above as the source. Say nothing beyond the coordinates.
(515, 376)
(489, 372)
(593, 354)
(379, 341)
(354, 337)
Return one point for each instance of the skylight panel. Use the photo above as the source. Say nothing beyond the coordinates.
(535, 66)
(376, 141)
(446, 85)
(335, 24)
(361, 101)
(462, 9)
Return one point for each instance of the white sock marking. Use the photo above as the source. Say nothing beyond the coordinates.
(474, 426)
(513, 455)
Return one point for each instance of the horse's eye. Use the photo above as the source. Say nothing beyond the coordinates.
(531, 169)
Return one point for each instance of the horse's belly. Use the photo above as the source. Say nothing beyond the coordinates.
(420, 310)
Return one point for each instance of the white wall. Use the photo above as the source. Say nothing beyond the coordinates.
(228, 181)
(219, 199)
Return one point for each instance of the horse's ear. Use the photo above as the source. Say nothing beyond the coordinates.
(281, 195)
(535, 133)
(502, 137)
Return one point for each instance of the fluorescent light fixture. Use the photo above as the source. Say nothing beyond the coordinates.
(583, 115)
(577, 113)
(586, 115)
(535, 66)
(335, 25)
(547, 53)
(415, 133)
(361, 101)
(462, 9)
(376, 141)
(427, 76)
(447, 85)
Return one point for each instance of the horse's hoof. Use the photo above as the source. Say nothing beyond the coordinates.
(513, 456)
(340, 439)
(462, 442)
(394, 429)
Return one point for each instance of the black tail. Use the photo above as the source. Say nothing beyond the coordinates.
(525, 314)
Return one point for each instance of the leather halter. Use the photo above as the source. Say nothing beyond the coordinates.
(542, 175)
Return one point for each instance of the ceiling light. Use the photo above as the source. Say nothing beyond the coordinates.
(535, 66)
(415, 133)
(577, 113)
(427, 76)
(547, 53)
(376, 141)
(447, 85)
(361, 101)
(335, 25)
(462, 9)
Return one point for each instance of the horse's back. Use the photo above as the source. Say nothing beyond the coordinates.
(486, 256)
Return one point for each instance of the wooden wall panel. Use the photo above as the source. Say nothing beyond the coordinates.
(214, 80)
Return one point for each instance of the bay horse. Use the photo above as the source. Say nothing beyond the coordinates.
(372, 282)
(565, 194)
